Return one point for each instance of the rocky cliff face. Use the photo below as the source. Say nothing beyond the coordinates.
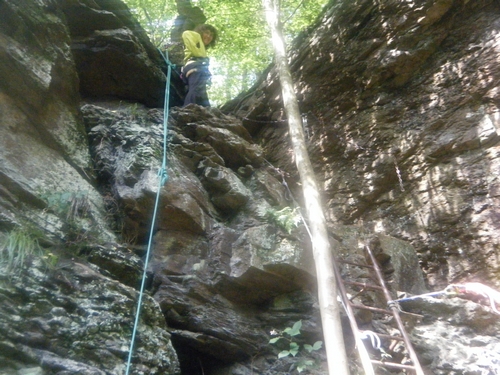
(404, 166)
(401, 108)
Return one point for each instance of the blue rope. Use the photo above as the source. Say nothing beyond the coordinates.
(163, 177)
(444, 292)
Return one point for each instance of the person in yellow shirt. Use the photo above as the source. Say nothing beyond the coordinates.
(195, 71)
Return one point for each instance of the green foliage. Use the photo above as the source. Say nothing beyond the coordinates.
(295, 330)
(294, 349)
(73, 208)
(68, 205)
(317, 345)
(133, 111)
(298, 15)
(244, 48)
(20, 246)
(305, 364)
(155, 16)
(287, 218)
(290, 335)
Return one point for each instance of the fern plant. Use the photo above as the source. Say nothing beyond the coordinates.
(18, 247)
(74, 210)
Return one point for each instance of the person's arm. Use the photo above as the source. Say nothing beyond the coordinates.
(194, 44)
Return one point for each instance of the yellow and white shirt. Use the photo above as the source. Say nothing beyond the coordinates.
(194, 46)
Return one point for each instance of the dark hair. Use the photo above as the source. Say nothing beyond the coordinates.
(200, 29)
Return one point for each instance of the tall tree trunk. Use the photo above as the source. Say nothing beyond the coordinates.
(323, 257)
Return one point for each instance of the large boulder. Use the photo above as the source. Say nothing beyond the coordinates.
(41, 135)
(113, 55)
(456, 328)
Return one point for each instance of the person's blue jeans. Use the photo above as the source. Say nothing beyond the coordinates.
(197, 77)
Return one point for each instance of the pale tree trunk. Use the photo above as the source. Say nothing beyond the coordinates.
(323, 257)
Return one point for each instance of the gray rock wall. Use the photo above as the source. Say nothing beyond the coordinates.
(67, 296)
(401, 103)
(72, 319)
(398, 156)
(218, 260)
(43, 143)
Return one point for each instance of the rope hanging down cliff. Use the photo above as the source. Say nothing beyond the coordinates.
(467, 290)
(162, 179)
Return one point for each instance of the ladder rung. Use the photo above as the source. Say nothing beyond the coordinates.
(416, 368)
(375, 309)
(409, 347)
(392, 364)
(364, 285)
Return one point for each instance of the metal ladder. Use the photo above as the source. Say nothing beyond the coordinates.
(393, 310)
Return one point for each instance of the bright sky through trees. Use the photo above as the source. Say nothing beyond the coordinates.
(244, 49)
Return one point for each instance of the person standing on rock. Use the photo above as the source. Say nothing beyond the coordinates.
(195, 71)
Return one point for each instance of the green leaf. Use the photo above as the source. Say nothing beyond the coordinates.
(274, 340)
(284, 353)
(295, 330)
(304, 364)
(317, 345)
(294, 350)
